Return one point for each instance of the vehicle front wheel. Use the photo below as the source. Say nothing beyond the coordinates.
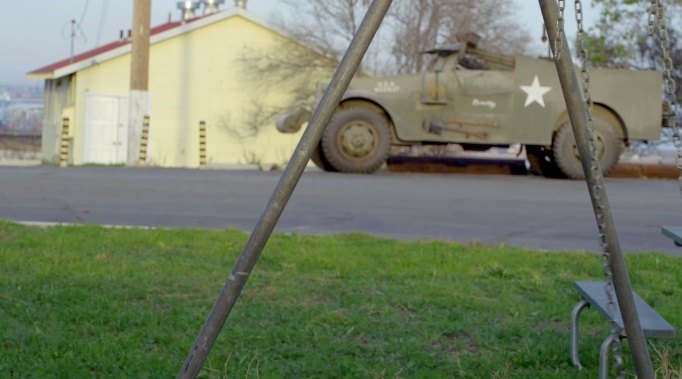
(320, 160)
(607, 146)
(357, 140)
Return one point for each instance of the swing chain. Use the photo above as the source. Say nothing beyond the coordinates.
(657, 13)
(583, 54)
(653, 17)
(606, 260)
(558, 40)
(669, 80)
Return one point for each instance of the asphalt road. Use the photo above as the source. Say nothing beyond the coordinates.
(523, 211)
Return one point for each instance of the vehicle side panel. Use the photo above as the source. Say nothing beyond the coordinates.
(505, 107)
(635, 96)
(538, 101)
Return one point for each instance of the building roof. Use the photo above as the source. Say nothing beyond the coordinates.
(123, 46)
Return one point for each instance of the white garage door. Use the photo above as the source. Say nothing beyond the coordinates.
(106, 129)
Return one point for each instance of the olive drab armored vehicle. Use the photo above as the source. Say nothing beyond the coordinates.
(480, 100)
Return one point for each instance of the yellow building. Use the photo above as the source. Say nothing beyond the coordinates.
(197, 73)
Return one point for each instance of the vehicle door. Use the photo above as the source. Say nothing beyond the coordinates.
(482, 104)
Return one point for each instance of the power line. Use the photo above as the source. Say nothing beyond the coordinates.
(102, 21)
(79, 32)
(85, 11)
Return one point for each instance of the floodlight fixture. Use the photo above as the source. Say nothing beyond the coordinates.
(188, 8)
(212, 6)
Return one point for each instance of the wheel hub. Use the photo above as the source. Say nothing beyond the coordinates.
(357, 139)
(599, 146)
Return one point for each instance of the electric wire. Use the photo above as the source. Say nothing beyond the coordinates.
(102, 21)
(85, 11)
(79, 28)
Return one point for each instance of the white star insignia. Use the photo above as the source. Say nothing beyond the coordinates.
(535, 93)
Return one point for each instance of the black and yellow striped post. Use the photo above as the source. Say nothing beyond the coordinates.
(144, 141)
(64, 149)
(202, 143)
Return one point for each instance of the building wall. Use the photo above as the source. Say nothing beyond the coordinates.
(199, 76)
(58, 100)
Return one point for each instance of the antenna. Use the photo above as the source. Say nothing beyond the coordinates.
(73, 39)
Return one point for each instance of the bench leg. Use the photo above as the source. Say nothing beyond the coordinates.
(575, 358)
(604, 356)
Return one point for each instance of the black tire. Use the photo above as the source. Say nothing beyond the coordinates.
(320, 160)
(607, 145)
(542, 162)
(357, 140)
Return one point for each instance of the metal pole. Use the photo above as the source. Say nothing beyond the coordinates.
(285, 187)
(600, 203)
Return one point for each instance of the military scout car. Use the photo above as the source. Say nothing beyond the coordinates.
(480, 100)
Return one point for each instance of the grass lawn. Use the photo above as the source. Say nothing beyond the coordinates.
(92, 302)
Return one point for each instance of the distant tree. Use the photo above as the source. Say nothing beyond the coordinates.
(319, 32)
(411, 27)
(294, 70)
(324, 28)
(421, 24)
(620, 38)
(326, 25)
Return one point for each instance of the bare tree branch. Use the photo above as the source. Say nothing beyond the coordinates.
(322, 30)
(421, 24)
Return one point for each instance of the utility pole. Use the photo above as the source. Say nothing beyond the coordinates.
(139, 61)
(140, 99)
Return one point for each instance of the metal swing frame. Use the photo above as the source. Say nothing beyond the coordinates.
(311, 137)
(657, 24)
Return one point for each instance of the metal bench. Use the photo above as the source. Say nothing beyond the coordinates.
(592, 293)
(674, 233)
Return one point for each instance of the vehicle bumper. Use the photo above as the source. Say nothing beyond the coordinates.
(292, 122)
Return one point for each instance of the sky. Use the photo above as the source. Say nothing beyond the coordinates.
(37, 32)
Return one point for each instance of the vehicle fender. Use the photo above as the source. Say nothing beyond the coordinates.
(367, 99)
(364, 96)
(605, 112)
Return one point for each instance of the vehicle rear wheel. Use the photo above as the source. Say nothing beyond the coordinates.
(607, 145)
(357, 140)
(320, 160)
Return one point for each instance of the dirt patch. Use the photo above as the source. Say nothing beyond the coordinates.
(19, 147)
(457, 165)
(516, 166)
(645, 171)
